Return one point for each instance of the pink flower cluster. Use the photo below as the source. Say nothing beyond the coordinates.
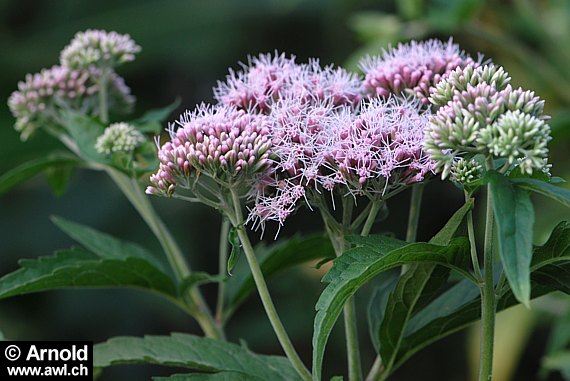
(369, 150)
(220, 142)
(311, 129)
(75, 83)
(268, 78)
(412, 68)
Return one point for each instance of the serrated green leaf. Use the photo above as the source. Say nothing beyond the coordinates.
(460, 305)
(444, 236)
(361, 264)
(104, 245)
(27, 170)
(377, 305)
(199, 353)
(276, 258)
(85, 130)
(80, 268)
(222, 376)
(151, 121)
(413, 290)
(515, 219)
(560, 194)
(347, 274)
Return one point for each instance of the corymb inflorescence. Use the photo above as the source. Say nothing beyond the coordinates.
(480, 113)
(412, 68)
(220, 143)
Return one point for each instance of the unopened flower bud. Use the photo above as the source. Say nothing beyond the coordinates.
(119, 137)
(99, 48)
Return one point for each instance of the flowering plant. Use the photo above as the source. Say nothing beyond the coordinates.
(285, 136)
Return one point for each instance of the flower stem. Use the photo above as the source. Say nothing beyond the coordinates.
(487, 298)
(414, 216)
(352, 346)
(103, 98)
(223, 261)
(374, 209)
(278, 328)
(349, 310)
(141, 203)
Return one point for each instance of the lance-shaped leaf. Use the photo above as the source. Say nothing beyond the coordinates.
(104, 245)
(198, 353)
(80, 268)
(515, 219)
(377, 305)
(560, 194)
(411, 292)
(460, 306)
(27, 170)
(357, 266)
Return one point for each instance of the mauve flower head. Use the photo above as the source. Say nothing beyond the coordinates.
(334, 84)
(317, 146)
(221, 142)
(119, 137)
(99, 48)
(39, 93)
(380, 147)
(268, 78)
(412, 68)
(481, 113)
(258, 83)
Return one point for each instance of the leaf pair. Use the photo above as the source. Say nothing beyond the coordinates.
(104, 262)
(376, 254)
(514, 214)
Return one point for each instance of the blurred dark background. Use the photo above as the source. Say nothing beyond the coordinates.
(187, 47)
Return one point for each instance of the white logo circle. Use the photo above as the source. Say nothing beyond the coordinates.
(12, 352)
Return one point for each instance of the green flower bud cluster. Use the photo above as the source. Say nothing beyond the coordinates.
(465, 171)
(480, 113)
(119, 137)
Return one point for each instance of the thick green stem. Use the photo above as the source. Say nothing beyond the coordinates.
(222, 268)
(414, 216)
(488, 305)
(103, 97)
(141, 203)
(349, 310)
(278, 328)
(352, 346)
(372, 214)
(350, 320)
(375, 208)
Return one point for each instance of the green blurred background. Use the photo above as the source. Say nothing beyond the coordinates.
(187, 47)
